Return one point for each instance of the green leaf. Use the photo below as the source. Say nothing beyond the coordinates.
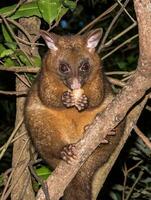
(62, 10)
(1, 180)
(54, 9)
(37, 61)
(9, 41)
(71, 4)
(6, 52)
(131, 59)
(117, 187)
(8, 62)
(43, 172)
(2, 48)
(49, 9)
(122, 65)
(24, 59)
(25, 10)
(115, 196)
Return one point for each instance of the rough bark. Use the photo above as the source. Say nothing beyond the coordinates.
(134, 90)
(21, 180)
(103, 172)
(23, 188)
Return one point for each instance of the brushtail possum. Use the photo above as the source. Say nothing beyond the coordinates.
(69, 91)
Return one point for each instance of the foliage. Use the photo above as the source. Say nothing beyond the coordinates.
(43, 172)
(25, 10)
(139, 175)
(48, 10)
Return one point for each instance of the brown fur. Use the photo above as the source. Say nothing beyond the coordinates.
(52, 126)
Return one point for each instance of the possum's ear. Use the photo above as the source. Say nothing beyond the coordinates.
(51, 40)
(93, 38)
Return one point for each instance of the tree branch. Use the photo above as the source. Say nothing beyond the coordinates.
(19, 93)
(21, 183)
(143, 137)
(15, 69)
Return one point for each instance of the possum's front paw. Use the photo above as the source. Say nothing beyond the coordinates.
(75, 98)
(69, 154)
(67, 99)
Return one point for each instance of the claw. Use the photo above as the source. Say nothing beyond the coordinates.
(104, 141)
(86, 127)
(111, 133)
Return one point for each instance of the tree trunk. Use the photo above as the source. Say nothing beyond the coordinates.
(21, 176)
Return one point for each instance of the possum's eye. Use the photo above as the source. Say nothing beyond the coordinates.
(64, 68)
(84, 67)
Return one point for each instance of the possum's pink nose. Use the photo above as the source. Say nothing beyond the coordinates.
(75, 84)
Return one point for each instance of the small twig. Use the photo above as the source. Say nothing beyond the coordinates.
(17, 58)
(148, 108)
(23, 80)
(119, 2)
(116, 73)
(129, 73)
(14, 37)
(126, 172)
(111, 25)
(119, 46)
(5, 175)
(27, 79)
(19, 93)
(110, 42)
(110, 9)
(116, 82)
(143, 137)
(53, 26)
(10, 138)
(6, 192)
(13, 140)
(10, 29)
(17, 69)
(19, 136)
(127, 78)
(29, 43)
(135, 166)
(43, 183)
(133, 186)
(21, 196)
(20, 27)
(16, 8)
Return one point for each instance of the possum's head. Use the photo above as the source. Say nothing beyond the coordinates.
(73, 58)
